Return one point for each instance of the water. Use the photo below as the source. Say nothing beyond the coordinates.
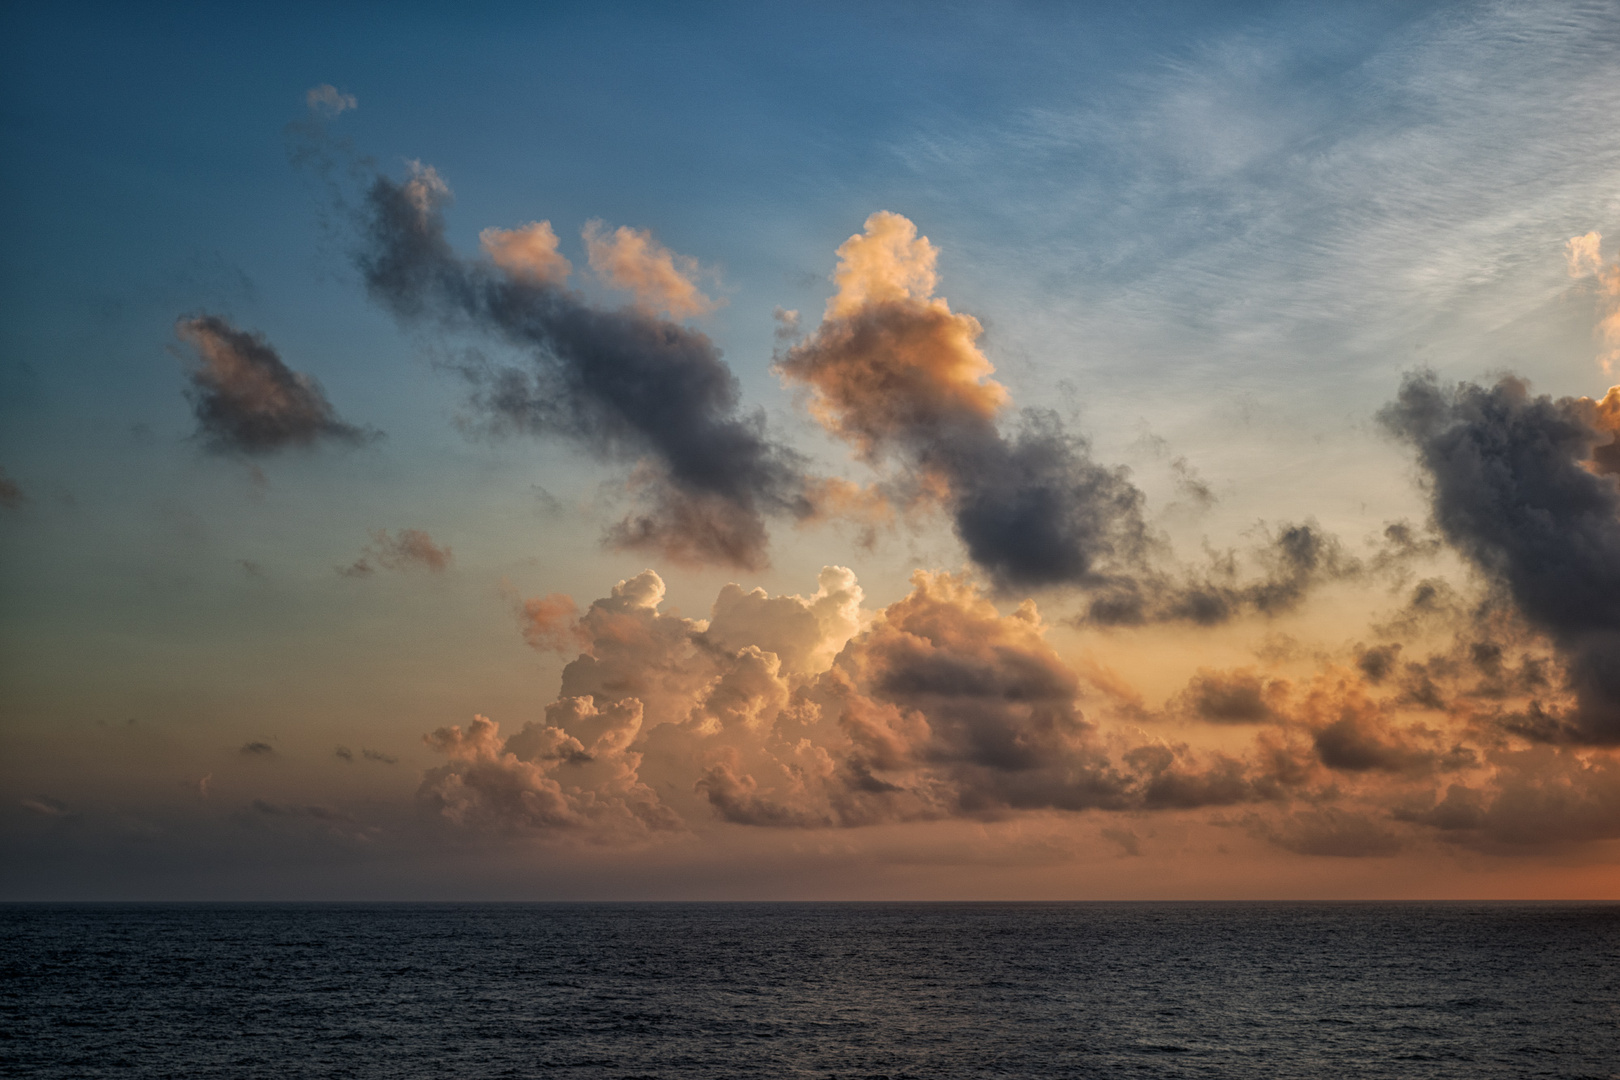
(810, 990)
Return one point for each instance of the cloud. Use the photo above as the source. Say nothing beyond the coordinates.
(1290, 563)
(528, 252)
(893, 371)
(1233, 697)
(661, 281)
(1536, 799)
(257, 749)
(573, 770)
(327, 100)
(346, 754)
(1585, 259)
(405, 549)
(810, 712)
(1513, 486)
(622, 383)
(942, 708)
(45, 806)
(11, 496)
(1332, 832)
(247, 401)
(550, 622)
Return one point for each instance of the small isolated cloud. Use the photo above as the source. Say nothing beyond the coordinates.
(405, 549)
(247, 401)
(378, 756)
(661, 281)
(11, 496)
(345, 753)
(45, 805)
(258, 749)
(328, 100)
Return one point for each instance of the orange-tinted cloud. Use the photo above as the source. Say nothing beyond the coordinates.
(528, 252)
(405, 549)
(550, 622)
(890, 357)
(661, 281)
(1586, 259)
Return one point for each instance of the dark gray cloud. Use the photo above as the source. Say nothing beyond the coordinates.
(1230, 697)
(257, 749)
(1510, 487)
(1034, 508)
(1291, 562)
(623, 383)
(247, 401)
(11, 496)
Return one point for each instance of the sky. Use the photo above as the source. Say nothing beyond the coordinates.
(810, 451)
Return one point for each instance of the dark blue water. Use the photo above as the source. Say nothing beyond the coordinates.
(810, 990)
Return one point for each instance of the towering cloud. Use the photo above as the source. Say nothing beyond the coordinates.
(895, 372)
(1524, 487)
(1586, 259)
(623, 383)
(247, 401)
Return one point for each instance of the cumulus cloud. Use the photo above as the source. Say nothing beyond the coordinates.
(1586, 260)
(574, 769)
(623, 383)
(811, 712)
(528, 252)
(662, 282)
(893, 371)
(247, 401)
(805, 711)
(405, 549)
(1233, 697)
(1514, 487)
(328, 100)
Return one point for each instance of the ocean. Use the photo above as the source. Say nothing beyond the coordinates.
(443, 991)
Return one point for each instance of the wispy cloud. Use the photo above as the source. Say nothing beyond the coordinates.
(328, 100)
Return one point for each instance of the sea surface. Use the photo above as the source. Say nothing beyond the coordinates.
(407, 991)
